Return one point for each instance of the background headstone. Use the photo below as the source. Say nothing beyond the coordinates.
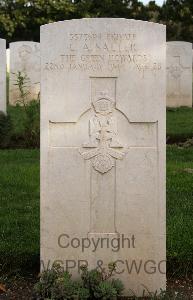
(179, 74)
(24, 58)
(103, 146)
(2, 75)
(8, 59)
(192, 56)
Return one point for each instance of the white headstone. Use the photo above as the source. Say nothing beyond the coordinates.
(24, 58)
(103, 147)
(3, 75)
(192, 56)
(179, 74)
(8, 59)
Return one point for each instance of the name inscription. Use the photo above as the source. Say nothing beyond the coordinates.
(102, 52)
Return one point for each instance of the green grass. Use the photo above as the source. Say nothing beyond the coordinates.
(180, 209)
(17, 115)
(19, 214)
(19, 210)
(24, 127)
(179, 124)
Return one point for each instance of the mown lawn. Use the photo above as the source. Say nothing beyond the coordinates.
(19, 210)
(179, 124)
(180, 210)
(19, 214)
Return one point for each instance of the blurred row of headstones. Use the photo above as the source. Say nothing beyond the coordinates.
(20, 70)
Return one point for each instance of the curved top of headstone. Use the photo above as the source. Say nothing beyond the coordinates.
(2, 41)
(179, 47)
(21, 43)
(179, 43)
(102, 20)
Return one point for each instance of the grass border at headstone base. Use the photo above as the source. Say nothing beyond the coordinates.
(19, 214)
(179, 124)
(17, 117)
(19, 211)
(25, 126)
(179, 210)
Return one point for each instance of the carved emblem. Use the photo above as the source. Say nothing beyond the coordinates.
(103, 147)
(175, 71)
(24, 52)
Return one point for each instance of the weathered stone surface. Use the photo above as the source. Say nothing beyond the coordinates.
(2, 75)
(179, 74)
(8, 59)
(103, 146)
(24, 58)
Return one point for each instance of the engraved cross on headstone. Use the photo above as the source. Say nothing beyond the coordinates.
(103, 149)
(176, 70)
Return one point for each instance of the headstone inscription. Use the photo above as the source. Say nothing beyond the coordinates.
(3, 75)
(24, 60)
(103, 147)
(179, 74)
